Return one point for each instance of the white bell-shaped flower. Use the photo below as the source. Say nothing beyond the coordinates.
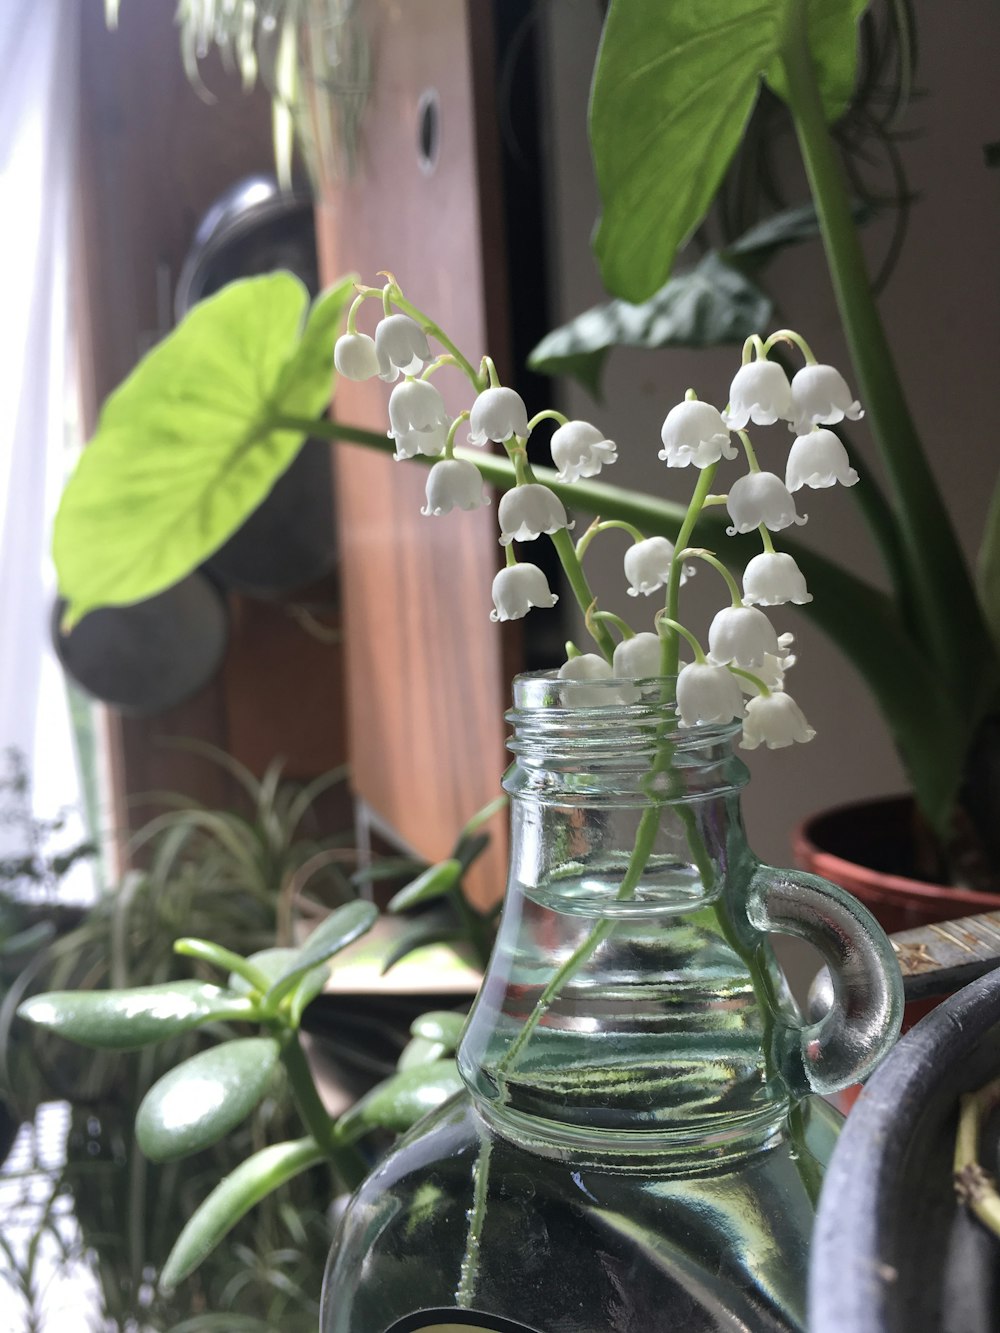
(647, 565)
(496, 415)
(517, 589)
(774, 720)
(760, 497)
(707, 694)
(772, 579)
(638, 658)
(527, 511)
(580, 450)
(820, 397)
(694, 432)
(580, 670)
(418, 419)
(760, 393)
(743, 635)
(401, 346)
(355, 357)
(818, 459)
(773, 668)
(454, 483)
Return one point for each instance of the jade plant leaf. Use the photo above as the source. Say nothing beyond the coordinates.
(199, 1101)
(232, 1199)
(193, 440)
(340, 928)
(673, 89)
(122, 1020)
(710, 304)
(439, 1025)
(421, 1051)
(400, 1101)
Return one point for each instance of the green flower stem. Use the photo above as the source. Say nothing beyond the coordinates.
(627, 632)
(437, 333)
(796, 339)
(696, 648)
(605, 526)
(550, 414)
(949, 619)
(670, 648)
(700, 553)
(577, 580)
(749, 450)
(347, 1162)
(754, 680)
(754, 344)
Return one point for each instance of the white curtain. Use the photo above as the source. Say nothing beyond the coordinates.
(38, 66)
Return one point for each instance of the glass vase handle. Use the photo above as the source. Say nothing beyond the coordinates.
(846, 1044)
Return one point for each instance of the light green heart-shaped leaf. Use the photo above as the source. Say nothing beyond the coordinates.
(673, 89)
(232, 1199)
(122, 1020)
(400, 1101)
(340, 928)
(194, 439)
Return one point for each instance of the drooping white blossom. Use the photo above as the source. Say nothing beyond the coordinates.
(743, 635)
(582, 669)
(496, 415)
(638, 658)
(773, 668)
(760, 393)
(774, 720)
(760, 497)
(820, 397)
(400, 346)
(581, 450)
(418, 419)
(647, 565)
(694, 432)
(454, 483)
(517, 589)
(355, 357)
(707, 694)
(818, 459)
(772, 579)
(525, 512)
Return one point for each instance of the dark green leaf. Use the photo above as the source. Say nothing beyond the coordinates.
(388, 867)
(401, 1100)
(200, 1101)
(439, 1025)
(126, 1019)
(790, 227)
(420, 937)
(712, 303)
(673, 89)
(232, 1199)
(436, 881)
(340, 928)
(192, 442)
(469, 846)
(832, 26)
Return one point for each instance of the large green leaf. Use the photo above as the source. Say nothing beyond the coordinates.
(340, 929)
(400, 1101)
(231, 1199)
(193, 441)
(711, 303)
(201, 1100)
(122, 1020)
(674, 86)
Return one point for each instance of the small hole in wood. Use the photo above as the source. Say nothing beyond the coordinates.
(428, 130)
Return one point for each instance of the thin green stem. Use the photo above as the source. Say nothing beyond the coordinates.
(577, 580)
(699, 553)
(437, 333)
(550, 414)
(609, 617)
(347, 1162)
(670, 650)
(606, 526)
(748, 449)
(469, 1271)
(796, 339)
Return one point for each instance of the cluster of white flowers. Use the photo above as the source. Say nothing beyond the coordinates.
(742, 676)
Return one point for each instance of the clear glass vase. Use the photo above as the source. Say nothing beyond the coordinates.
(641, 1144)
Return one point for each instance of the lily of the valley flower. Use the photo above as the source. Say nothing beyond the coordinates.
(694, 432)
(638, 658)
(527, 511)
(588, 667)
(774, 720)
(400, 346)
(820, 397)
(760, 393)
(707, 694)
(355, 357)
(454, 483)
(772, 579)
(580, 450)
(517, 589)
(647, 565)
(496, 415)
(818, 459)
(760, 497)
(743, 635)
(418, 418)
(773, 668)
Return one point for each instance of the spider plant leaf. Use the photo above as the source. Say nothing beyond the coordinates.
(194, 439)
(121, 1020)
(439, 1025)
(421, 937)
(199, 1101)
(673, 89)
(339, 930)
(400, 1101)
(232, 1199)
(435, 882)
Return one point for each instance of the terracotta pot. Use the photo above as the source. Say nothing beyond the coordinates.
(867, 849)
